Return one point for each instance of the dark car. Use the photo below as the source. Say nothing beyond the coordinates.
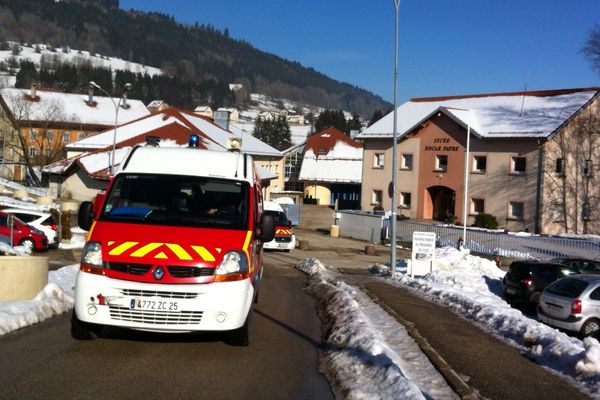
(526, 279)
(583, 265)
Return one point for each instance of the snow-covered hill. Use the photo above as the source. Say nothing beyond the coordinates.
(35, 52)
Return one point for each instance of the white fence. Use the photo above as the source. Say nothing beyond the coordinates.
(371, 227)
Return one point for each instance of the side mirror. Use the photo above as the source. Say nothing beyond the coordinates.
(85, 217)
(267, 228)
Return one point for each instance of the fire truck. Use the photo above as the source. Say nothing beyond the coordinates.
(284, 239)
(174, 245)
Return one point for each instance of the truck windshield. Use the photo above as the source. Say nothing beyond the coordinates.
(177, 200)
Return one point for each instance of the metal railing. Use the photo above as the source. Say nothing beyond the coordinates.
(504, 244)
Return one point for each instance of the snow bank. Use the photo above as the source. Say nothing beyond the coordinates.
(361, 360)
(56, 298)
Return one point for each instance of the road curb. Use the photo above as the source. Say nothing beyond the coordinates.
(454, 380)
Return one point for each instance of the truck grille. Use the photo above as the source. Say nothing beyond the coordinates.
(189, 272)
(134, 269)
(155, 317)
(284, 239)
(156, 293)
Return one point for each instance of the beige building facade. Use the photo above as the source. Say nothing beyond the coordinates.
(542, 178)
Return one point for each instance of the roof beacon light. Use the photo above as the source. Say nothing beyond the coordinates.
(234, 144)
(194, 141)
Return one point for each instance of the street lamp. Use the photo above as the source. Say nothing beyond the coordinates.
(395, 135)
(93, 85)
(466, 193)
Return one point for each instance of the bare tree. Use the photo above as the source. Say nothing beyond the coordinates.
(591, 49)
(36, 124)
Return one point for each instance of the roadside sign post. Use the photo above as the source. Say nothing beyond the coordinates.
(423, 253)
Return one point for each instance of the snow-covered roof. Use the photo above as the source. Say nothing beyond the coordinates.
(215, 136)
(69, 108)
(495, 115)
(331, 156)
(172, 126)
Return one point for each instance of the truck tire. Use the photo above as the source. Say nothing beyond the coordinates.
(83, 330)
(241, 336)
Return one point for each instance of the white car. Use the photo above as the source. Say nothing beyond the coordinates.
(40, 220)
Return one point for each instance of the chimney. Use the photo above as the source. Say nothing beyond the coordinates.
(91, 95)
(221, 118)
(125, 106)
(32, 92)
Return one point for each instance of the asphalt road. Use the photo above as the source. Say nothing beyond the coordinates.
(43, 362)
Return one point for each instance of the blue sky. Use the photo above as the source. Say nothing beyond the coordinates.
(446, 47)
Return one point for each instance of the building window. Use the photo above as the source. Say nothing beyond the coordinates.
(49, 136)
(407, 162)
(405, 200)
(288, 170)
(377, 197)
(557, 212)
(560, 166)
(322, 151)
(587, 168)
(81, 135)
(47, 153)
(66, 137)
(585, 212)
(378, 160)
(441, 163)
(32, 134)
(32, 152)
(515, 210)
(479, 163)
(518, 165)
(477, 206)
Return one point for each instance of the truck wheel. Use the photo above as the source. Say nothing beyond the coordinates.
(83, 330)
(241, 336)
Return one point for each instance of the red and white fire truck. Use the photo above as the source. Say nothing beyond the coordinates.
(284, 234)
(174, 245)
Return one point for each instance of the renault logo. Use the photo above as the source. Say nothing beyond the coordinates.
(158, 273)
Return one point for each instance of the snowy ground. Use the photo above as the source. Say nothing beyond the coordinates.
(368, 354)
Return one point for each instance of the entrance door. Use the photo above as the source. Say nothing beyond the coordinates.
(443, 201)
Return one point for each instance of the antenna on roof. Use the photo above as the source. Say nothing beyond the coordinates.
(523, 101)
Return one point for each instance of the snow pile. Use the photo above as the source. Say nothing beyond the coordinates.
(56, 298)
(7, 250)
(471, 287)
(367, 354)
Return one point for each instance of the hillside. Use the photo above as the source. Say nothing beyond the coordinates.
(198, 55)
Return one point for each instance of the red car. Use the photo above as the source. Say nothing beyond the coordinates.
(23, 234)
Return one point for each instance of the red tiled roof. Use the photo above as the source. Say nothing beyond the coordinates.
(324, 141)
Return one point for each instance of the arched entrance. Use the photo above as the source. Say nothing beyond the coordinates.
(442, 203)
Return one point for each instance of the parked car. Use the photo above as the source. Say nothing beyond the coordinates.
(526, 279)
(44, 221)
(573, 304)
(23, 234)
(583, 265)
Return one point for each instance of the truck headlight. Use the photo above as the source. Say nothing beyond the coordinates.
(92, 254)
(233, 262)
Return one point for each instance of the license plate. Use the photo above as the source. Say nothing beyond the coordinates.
(154, 305)
(282, 246)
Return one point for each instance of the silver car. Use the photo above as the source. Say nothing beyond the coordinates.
(573, 304)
